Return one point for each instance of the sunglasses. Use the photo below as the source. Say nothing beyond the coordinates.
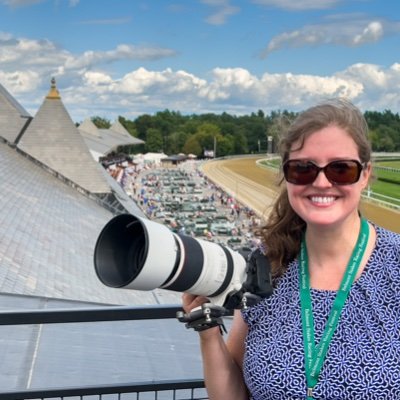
(339, 172)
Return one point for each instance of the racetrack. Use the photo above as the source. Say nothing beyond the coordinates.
(256, 187)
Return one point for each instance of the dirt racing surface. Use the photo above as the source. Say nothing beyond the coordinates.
(256, 187)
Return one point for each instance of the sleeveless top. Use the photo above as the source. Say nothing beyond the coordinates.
(363, 359)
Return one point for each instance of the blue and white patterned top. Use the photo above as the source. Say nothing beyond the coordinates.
(363, 360)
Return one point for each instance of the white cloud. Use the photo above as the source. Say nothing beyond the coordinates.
(234, 90)
(372, 76)
(121, 52)
(27, 52)
(273, 91)
(223, 10)
(21, 82)
(141, 80)
(381, 86)
(97, 79)
(371, 33)
(5, 36)
(229, 83)
(26, 67)
(45, 55)
(340, 30)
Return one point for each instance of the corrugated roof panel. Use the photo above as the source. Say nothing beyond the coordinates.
(48, 232)
(13, 116)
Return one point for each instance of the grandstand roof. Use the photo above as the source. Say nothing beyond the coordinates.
(49, 224)
(103, 141)
(13, 116)
(53, 139)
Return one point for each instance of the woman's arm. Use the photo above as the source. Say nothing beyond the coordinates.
(222, 360)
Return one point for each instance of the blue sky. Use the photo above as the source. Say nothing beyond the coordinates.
(130, 57)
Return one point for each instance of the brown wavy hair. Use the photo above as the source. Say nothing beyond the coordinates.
(281, 234)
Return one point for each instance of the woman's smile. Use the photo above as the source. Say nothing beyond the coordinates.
(322, 200)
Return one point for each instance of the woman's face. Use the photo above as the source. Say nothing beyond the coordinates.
(322, 203)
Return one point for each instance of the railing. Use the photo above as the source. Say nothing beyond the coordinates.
(176, 390)
(382, 200)
(160, 390)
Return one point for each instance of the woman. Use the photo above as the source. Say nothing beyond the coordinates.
(323, 253)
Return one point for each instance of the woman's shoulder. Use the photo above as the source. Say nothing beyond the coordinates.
(387, 238)
(385, 258)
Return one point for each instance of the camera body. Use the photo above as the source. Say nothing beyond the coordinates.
(140, 254)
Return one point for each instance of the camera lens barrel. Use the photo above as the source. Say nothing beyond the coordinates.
(205, 268)
(136, 253)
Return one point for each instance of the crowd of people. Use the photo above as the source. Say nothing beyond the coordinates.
(185, 200)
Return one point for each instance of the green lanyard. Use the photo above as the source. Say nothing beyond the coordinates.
(315, 355)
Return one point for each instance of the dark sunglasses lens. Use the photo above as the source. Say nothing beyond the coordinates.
(300, 172)
(344, 172)
(341, 172)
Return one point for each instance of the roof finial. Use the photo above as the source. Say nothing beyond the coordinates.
(53, 93)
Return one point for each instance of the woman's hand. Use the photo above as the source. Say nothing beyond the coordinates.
(191, 301)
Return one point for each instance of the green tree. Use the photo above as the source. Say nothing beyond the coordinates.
(386, 128)
(237, 134)
(142, 124)
(168, 122)
(101, 123)
(240, 143)
(192, 146)
(154, 140)
(225, 145)
(386, 139)
(373, 138)
(177, 141)
(254, 128)
(190, 125)
(278, 123)
(128, 125)
(207, 133)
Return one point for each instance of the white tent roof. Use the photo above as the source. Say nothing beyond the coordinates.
(154, 156)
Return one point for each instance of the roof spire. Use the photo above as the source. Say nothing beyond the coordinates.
(53, 93)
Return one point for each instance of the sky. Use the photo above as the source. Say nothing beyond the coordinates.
(126, 58)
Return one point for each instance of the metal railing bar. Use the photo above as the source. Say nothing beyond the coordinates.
(109, 313)
(153, 386)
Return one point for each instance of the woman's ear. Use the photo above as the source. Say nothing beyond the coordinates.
(366, 175)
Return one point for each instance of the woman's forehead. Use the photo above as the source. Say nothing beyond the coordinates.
(329, 140)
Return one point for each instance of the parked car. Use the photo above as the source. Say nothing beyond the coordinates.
(221, 225)
(201, 226)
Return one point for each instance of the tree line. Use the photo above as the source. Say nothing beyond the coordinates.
(173, 133)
